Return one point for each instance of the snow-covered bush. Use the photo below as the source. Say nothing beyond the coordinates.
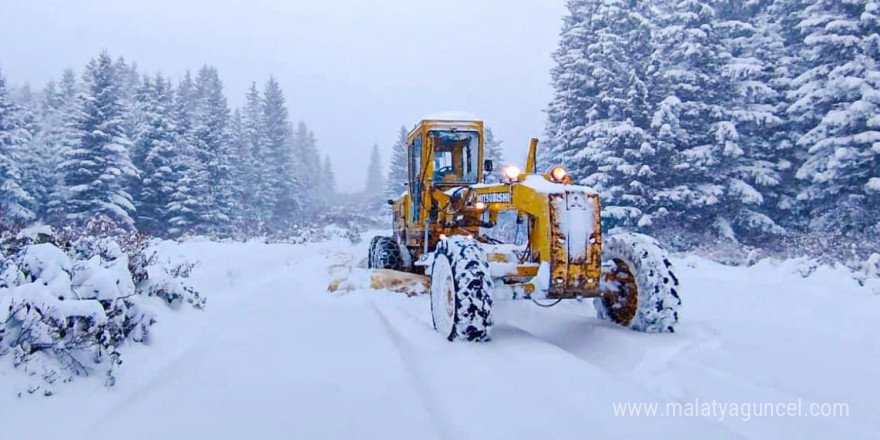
(69, 301)
(334, 223)
(869, 275)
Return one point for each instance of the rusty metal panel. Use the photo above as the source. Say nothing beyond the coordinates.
(558, 245)
(575, 259)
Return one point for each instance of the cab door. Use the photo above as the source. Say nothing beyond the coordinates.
(415, 184)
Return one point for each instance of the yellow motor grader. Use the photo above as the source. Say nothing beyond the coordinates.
(444, 224)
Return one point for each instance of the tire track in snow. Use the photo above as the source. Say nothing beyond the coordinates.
(578, 358)
(509, 329)
(516, 342)
(416, 377)
(617, 377)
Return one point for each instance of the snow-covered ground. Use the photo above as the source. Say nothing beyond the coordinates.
(276, 356)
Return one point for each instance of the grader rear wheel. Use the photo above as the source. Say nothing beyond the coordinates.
(640, 289)
(384, 254)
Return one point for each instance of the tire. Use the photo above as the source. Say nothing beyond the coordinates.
(639, 284)
(384, 254)
(461, 286)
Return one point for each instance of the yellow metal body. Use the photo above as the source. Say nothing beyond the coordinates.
(562, 256)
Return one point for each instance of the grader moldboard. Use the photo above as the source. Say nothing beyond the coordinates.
(443, 228)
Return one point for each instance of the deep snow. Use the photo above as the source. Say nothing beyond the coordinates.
(275, 356)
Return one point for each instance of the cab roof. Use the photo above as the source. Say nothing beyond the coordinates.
(440, 123)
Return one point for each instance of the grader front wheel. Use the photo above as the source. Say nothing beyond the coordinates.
(461, 285)
(640, 289)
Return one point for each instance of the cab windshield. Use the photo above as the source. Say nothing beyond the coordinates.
(456, 156)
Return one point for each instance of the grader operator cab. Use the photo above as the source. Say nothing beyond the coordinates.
(442, 227)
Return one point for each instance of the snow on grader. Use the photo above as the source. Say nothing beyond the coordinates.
(444, 226)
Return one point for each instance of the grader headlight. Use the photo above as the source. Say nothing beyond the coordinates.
(512, 173)
(559, 175)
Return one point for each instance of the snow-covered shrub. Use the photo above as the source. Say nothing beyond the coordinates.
(154, 277)
(333, 224)
(869, 275)
(871, 266)
(70, 301)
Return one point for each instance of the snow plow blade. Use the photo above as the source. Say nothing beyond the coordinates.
(379, 279)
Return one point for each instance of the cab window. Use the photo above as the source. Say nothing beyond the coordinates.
(456, 156)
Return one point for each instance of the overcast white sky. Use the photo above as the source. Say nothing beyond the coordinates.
(355, 71)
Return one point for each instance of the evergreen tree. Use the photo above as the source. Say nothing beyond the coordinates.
(185, 107)
(329, 177)
(754, 195)
(129, 82)
(262, 195)
(307, 167)
(186, 204)
(834, 105)
(280, 183)
(31, 155)
(375, 181)
(154, 155)
(572, 82)
(686, 73)
(492, 149)
(601, 105)
(57, 119)
(396, 182)
(241, 171)
(14, 200)
(96, 168)
(209, 121)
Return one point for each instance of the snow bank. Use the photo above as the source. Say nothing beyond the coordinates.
(67, 306)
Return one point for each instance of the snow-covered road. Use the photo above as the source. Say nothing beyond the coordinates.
(275, 356)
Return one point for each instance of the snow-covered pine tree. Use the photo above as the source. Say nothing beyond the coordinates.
(210, 118)
(754, 196)
(262, 195)
(128, 78)
(187, 199)
(599, 116)
(97, 167)
(307, 168)
(280, 183)
(241, 172)
(129, 84)
(492, 150)
(572, 83)
(329, 177)
(835, 104)
(375, 184)
(695, 133)
(62, 132)
(14, 200)
(57, 113)
(396, 182)
(185, 105)
(32, 156)
(788, 64)
(154, 155)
